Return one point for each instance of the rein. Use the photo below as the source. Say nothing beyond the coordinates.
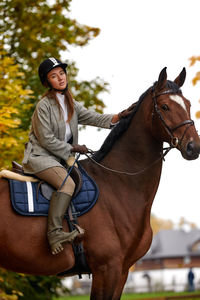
(129, 173)
(174, 140)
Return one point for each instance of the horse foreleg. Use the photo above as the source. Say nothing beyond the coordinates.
(120, 286)
(107, 283)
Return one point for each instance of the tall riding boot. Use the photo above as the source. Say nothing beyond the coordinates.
(56, 236)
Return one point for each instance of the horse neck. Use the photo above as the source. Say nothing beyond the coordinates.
(134, 151)
(136, 147)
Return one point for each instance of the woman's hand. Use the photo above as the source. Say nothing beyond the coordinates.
(123, 114)
(126, 112)
(82, 149)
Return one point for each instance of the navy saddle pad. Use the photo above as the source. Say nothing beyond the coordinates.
(27, 199)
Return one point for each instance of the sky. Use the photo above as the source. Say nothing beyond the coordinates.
(137, 39)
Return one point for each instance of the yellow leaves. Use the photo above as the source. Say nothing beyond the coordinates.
(4, 296)
(196, 78)
(194, 59)
(160, 224)
(17, 293)
(8, 142)
(197, 115)
(13, 296)
(13, 99)
(157, 224)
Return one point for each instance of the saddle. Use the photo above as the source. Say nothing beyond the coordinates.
(81, 266)
(47, 189)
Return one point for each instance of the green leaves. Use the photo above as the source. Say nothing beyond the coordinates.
(35, 30)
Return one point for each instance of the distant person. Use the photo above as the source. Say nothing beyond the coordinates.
(191, 287)
(148, 278)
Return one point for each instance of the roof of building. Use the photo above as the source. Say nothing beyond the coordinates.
(174, 243)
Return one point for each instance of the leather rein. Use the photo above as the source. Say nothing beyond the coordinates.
(175, 142)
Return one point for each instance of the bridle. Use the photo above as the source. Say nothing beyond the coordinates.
(175, 141)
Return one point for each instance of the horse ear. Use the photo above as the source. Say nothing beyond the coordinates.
(181, 78)
(162, 79)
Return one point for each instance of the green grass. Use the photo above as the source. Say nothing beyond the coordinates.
(128, 296)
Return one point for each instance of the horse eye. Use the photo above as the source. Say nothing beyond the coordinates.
(165, 107)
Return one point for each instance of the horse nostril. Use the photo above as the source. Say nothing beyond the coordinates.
(191, 150)
(190, 147)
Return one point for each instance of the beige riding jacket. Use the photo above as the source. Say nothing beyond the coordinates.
(47, 146)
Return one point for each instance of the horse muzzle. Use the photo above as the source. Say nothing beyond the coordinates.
(191, 150)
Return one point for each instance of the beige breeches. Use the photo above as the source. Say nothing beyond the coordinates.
(55, 177)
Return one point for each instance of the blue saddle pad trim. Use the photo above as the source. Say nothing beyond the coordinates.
(37, 205)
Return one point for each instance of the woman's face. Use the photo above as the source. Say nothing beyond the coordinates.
(57, 78)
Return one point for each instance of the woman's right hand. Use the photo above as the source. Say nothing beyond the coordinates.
(82, 149)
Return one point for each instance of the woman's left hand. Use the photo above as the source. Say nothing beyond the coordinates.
(82, 149)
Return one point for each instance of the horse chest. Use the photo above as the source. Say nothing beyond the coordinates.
(140, 248)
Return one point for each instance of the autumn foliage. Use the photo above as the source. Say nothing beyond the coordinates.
(31, 31)
(196, 79)
(12, 101)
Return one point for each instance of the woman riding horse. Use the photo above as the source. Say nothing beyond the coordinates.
(53, 140)
(127, 171)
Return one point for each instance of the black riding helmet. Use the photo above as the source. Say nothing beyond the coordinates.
(47, 65)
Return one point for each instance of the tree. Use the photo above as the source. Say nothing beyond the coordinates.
(35, 30)
(196, 79)
(31, 31)
(159, 224)
(15, 286)
(185, 223)
(12, 100)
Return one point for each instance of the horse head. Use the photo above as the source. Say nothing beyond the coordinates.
(171, 121)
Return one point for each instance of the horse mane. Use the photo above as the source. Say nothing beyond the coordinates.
(117, 131)
(173, 86)
(124, 123)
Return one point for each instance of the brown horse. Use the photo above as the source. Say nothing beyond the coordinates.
(117, 228)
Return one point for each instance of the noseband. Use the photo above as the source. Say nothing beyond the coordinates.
(175, 142)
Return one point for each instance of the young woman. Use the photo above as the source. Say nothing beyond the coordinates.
(53, 139)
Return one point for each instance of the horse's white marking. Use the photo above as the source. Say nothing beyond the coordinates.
(30, 196)
(179, 100)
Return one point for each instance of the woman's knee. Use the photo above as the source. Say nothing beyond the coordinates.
(69, 186)
(55, 176)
